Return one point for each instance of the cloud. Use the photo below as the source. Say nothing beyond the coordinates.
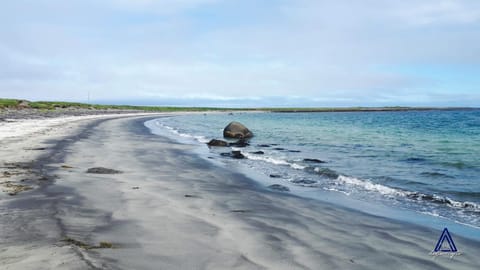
(341, 51)
(158, 7)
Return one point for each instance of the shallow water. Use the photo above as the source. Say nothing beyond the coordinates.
(421, 161)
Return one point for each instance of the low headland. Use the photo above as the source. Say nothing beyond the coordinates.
(15, 108)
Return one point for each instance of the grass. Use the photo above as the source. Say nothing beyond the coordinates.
(8, 103)
(52, 105)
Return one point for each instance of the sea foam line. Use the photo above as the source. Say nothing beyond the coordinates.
(411, 195)
(199, 138)
(274, 161)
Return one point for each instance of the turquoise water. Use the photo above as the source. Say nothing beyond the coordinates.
(422, 161)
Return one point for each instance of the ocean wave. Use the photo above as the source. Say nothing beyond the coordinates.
(415, 160)
(411, 195)
(325, 172)
(458, 165)
(198, 138)
(471, 206)
(274, 161)
(369, 186)
(349, 185)
(437, 175)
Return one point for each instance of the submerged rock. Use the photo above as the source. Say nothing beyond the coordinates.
(275, 176)
(258, 152)
(304, 181)
(233, 154)
(313, 160)
(240, 143)
(278, 187)
(102, 170)
(219, 143)
(237, 130)
(237, 155)
(325, 172)
(263, 145)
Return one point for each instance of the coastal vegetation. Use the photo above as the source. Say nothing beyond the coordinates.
(53, 105)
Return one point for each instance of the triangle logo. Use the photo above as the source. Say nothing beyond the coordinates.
(445, 243)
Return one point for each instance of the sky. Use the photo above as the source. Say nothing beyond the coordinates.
(242, 53)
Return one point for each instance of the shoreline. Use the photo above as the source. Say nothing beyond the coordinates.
(169, 205)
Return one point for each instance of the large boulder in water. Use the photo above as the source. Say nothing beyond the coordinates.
(237, 130)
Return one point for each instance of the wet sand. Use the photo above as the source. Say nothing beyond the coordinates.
(170, 209)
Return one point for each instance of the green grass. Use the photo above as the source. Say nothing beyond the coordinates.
(8, 103)
(52, 105)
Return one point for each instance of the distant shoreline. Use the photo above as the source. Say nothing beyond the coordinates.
(372, 109)
(7, 106)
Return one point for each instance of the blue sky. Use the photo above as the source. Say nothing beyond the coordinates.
(242, 53)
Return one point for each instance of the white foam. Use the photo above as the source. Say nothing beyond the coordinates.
(274, 161)
(198, 138)
(336, 190)
(297, 166)
(367, 185)
(266, 159)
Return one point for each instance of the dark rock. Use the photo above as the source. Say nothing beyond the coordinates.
(240, 211)
(294, 151)
(275, 176)
(233, 154)
(278, 148)
(18, 165)
(263, 145)
(215, 142)
(237, 155)
(237, 130)
(415, 159)
(258, 152)
(326, 172)
(304, 181)
(102, 170)
(240, 143)
(313, 160)
(36, 149)
(278, 187)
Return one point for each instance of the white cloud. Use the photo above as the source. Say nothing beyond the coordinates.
(223, 49)
(158, 6)
(441, 12)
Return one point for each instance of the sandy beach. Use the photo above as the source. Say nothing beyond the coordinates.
(163, 207)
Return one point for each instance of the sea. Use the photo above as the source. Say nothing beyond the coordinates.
(415, 166)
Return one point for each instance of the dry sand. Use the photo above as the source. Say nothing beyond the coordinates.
(170, 209)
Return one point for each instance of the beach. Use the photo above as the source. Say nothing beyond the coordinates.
(161, 206)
